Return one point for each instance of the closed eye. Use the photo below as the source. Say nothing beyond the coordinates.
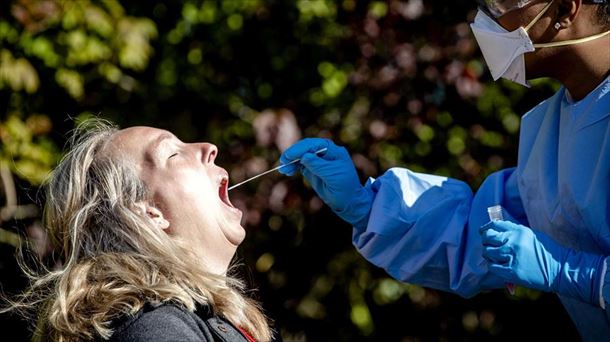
(173, 155)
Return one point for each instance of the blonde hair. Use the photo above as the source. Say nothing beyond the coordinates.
(115, 259)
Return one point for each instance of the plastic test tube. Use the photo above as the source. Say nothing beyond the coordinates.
(495, 214)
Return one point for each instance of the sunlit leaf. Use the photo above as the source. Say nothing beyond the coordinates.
(17, 74)
(135, 35)
(71, 81)
(378, 9)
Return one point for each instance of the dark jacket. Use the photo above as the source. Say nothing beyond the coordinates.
(168, 322)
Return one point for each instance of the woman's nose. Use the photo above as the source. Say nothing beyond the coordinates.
(209, 152)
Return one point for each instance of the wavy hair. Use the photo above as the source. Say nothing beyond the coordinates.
(603, 13)
(115, 259)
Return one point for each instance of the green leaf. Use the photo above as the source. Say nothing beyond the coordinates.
(71, 81)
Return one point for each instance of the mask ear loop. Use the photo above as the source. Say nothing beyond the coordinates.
(573, 41)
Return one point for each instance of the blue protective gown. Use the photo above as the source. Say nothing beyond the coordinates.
(423, 229)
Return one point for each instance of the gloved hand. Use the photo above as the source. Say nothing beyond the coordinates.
(333, 176)
(531, 259)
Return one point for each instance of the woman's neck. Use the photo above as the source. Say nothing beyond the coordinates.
(584, 67)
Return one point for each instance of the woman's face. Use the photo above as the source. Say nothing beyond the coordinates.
(188, 188)
(541, 32)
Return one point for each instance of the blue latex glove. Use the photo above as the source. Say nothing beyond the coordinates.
(332, 175)
(531, 259)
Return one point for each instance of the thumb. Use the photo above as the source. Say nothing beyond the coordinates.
(289, 170)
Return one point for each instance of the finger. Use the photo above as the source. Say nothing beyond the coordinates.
(488, 225)
(491, 237)
(315, 163)
(501, 271)
(497, 255)
(307, 145)
(297, 151)
(289, 170)
(504, 226)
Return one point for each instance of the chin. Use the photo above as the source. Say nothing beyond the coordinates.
(242, 234)
(536, 64)
(236, 240)
(234, 232)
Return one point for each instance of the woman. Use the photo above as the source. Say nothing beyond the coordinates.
(433, 231)
(146, 233)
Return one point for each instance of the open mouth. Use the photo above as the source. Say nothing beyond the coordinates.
(223, 192)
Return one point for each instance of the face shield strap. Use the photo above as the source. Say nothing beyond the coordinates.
(535, 20)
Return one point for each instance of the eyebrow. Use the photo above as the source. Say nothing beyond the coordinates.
(154, 146)
(160, 139)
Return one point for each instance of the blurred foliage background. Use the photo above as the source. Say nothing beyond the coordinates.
(399, 83)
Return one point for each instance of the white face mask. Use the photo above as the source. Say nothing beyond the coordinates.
(503, 50)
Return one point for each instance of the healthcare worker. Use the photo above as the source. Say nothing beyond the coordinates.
(555, 236)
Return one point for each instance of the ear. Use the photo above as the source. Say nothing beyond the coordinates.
(153, 213)
(567, 11)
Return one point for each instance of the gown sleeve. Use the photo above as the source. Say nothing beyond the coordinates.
(424, 229)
